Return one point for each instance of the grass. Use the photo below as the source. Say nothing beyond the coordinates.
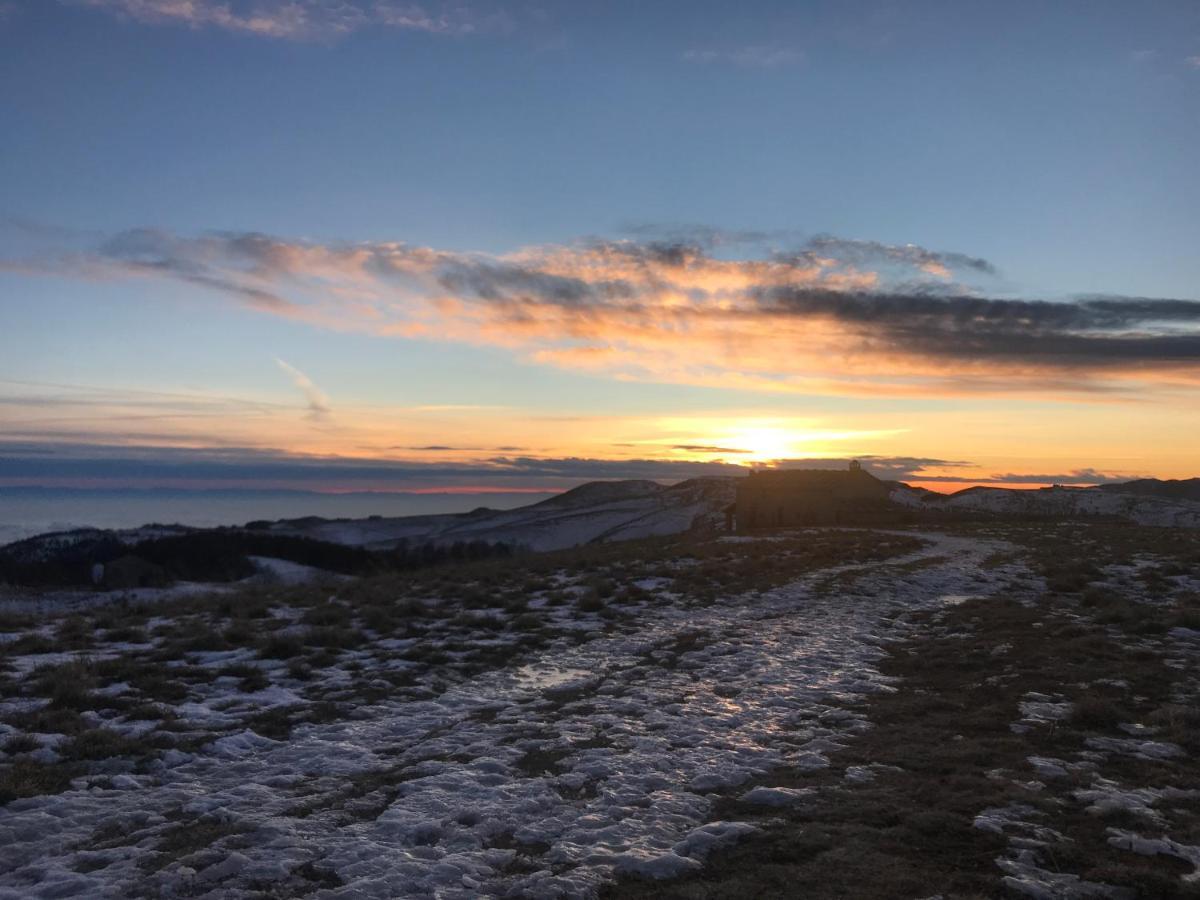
(1178, 724)
(909, 833)
(67, 686)
(100, 743)
(187, 838)
(1098, 714)
(21, 743)
(281, 646)
(23, 778)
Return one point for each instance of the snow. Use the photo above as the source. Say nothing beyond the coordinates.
(1048, 768)
(767, 796)
(1026, 879)
(1038, 710)
(600, 511)
(1147, 750)
(1164, 846)
(637, 749)
(236, 746)
(282, 571)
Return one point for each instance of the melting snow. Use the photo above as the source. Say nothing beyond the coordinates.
(594, 759)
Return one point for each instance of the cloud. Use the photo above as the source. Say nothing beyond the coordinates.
(304, 19)
(888, 468)
(760, 56)
(32, 462)
(874, 253)
(704, 448)
(1102, 333)
(318, 404)
(54, 463)
(827, 316)
(930, 470)
(438, 448)
(1193, 61)
(707, 236)
(57, 464)
(1074, 477)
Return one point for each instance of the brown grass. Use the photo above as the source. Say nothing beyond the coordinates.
(908, 834)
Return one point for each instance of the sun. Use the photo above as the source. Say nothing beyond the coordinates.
(762, 440)
(765, 444)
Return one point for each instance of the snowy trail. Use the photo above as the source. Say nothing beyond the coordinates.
(541, 781)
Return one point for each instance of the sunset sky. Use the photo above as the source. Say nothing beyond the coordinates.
(381, 245)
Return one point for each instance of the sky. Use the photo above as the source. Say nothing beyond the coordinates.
(379, 245)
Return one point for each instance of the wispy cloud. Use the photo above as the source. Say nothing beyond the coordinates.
(1193, 61)
(829, 315)
(446, 448)
(305, 19)
(756, 56)
(318, 404)
(1074, 477)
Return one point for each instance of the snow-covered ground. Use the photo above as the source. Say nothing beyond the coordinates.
(598, 511)
(600, 754)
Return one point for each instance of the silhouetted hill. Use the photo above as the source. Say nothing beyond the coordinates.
(595, 492)
(1057, 503)
(1170, 489)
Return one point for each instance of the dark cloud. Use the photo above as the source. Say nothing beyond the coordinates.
(501, 283)
(915, 468)
(148, 251)
(706, 235)
(1090, 332)
(889, 468)
(873, 252)
(447, 447)
(1077, 476)
(50, 463)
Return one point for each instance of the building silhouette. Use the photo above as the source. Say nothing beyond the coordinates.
(776, 498)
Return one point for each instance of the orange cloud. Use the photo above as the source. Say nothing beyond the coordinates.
(835, 316)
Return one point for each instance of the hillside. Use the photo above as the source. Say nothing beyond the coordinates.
(1169, 489)
(597, 511)
(593, 512)
(1057, 503)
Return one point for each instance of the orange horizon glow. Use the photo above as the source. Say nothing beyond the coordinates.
(183, 484)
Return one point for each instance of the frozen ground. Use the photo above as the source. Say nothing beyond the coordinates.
(599, 755)
(533, 733)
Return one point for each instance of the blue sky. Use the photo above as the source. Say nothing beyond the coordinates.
(1057, 141)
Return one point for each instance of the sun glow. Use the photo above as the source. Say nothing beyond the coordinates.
(767, 444)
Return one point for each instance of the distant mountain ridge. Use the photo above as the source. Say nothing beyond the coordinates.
(1144, 504)
(623, 510)
(1171, 489)
(596, 511)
